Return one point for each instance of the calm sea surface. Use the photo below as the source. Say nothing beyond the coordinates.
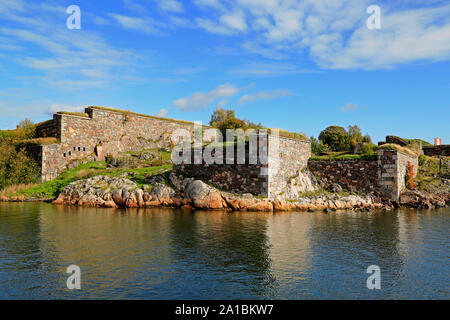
(174, 254)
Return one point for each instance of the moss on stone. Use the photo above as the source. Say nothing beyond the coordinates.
(410, 150)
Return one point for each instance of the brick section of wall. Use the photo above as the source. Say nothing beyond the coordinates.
(292, 156)
(392, 167)
(232, 177)
(48, 128)
(387, 176)
(443, 150)
(351, 175)
(102, 133)
(387, 173)
(286, 158)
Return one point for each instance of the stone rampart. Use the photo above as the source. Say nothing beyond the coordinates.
(351, 175)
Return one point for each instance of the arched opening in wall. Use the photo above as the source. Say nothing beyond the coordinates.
(79, 148)
(64, 155)
(84, 149)
(70, 153)
(74, 148)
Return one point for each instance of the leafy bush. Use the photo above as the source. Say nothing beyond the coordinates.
(368, 149)
(336, 138)
(339, 139)
(422, 160)
(223, 119)
(16, 167)
(317, 147)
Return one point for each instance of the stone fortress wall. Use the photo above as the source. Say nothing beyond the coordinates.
(285, 159)
(385, 176)
(100, 132)
(351, 175)
(227, 173)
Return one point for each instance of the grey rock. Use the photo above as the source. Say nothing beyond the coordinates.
(197, 190)
(162, 192)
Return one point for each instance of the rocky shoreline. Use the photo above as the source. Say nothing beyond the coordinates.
(113, 192)
(108, 192)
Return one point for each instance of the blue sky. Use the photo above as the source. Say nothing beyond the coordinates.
(300, 65)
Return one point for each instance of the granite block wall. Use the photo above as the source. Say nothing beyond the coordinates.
(99, 134)
(287, 159)
(386, 176)
(443, 150)
(357, 176)
(227, 173)
(392, 172)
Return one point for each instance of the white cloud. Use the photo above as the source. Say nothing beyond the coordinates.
(220, 104)
(334, 33)
(216, 4)
(201, 100)
(350, 107)
(162, 112)
(171, 5)
(269, 69)
(65, 58)
(236, 20)
(145, 25)
(263, 95)
(407, 36)
(213, 27)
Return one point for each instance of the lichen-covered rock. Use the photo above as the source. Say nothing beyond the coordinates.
(99, 191)
(113, 192)
(247, 202)
(204, 196)
(179, 182)
(418, 199)
(162, 193)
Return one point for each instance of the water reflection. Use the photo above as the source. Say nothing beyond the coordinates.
(171, 254)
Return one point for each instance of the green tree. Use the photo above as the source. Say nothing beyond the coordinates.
(26, 129)
(223, 119)
(336, 138)
(317, 147)
(16, 166)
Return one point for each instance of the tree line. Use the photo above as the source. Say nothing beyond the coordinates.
(16, 166)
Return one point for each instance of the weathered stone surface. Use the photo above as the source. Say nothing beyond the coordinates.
(246, 202)
(361, 176)
(288, 174)
(162, 193)
(100, 191)
(417, 199)
(110, 192)
(396, 140)
(101, 133)
(204, 196)
(443, 150)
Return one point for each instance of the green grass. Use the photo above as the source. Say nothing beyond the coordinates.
(345, 157)
(51, 189)
(424, 143)
(410, 150)
(427, 175)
